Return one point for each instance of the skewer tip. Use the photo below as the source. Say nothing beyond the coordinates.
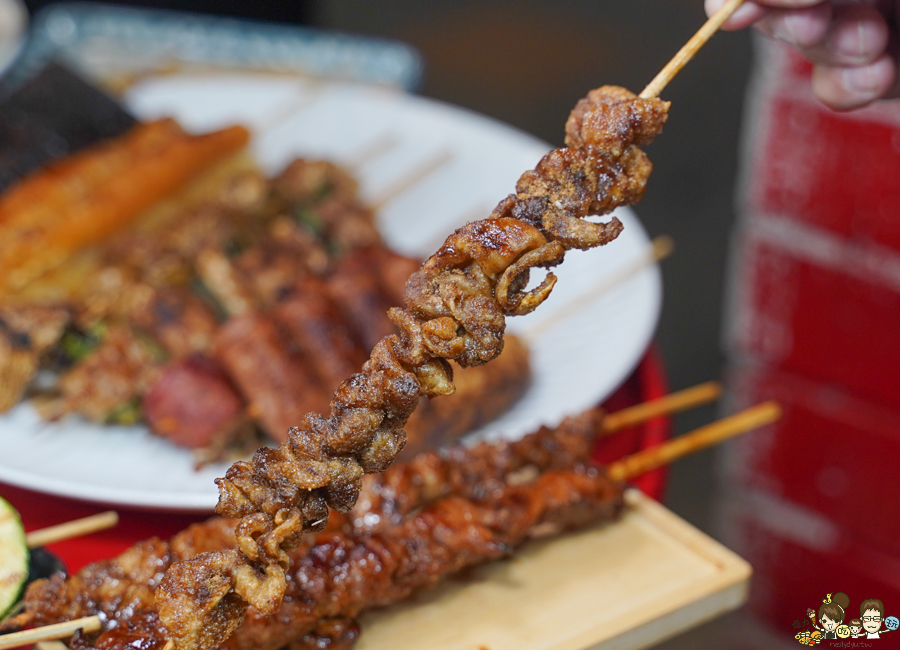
(663, 246)
(686, 53)
(712, 434)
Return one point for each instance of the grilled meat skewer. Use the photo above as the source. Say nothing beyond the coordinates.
(338, 575)
(456, 306)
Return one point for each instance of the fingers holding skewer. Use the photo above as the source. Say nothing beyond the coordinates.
(848, 43)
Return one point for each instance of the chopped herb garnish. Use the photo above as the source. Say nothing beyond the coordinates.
(322, 192)
(309, 219)
(76, 344)
(126, 414)
(234, 247)
(155, 349)
(202, 291)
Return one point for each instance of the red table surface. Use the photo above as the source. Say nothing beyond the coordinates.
(41, 510)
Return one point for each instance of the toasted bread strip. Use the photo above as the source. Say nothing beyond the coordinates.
(82, 199)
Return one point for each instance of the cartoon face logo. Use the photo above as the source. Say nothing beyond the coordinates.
(829, 623)
(871, 619)
(833, 620)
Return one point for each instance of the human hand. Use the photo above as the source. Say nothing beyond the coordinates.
(850, 44)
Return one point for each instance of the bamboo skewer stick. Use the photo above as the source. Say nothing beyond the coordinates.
(622, 470)
(686, 53)
(672, 403)
(659, 249)
(50, 645)
(420, 173)
(366, 154)
(49, 632)
(650, 459)
(77, 528)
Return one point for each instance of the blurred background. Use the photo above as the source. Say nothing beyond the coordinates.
(783, 280)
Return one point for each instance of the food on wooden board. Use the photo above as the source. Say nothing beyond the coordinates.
(473, 505)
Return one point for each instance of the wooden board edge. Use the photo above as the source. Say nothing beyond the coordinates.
(726, 592)
(685, 533)
(680, 619)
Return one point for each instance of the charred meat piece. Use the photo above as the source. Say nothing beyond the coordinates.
(174, 317)
(339, 575)
(107, 384)
(482, 394)
(306, 182)
(339, 633)
(345, 223)
(456, 308)
(192, 402)
(287, 256)
(26, 333)
(272, 379)
(323, 198)
(317, 328)
(481, 472)
(357, 292)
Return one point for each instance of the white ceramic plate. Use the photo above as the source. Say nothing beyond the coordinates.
(475, 162)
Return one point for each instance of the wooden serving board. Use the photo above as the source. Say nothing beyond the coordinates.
(624, 585)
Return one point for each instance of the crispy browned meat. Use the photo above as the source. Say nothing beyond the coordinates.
(306, 181)
(480, 473)
(484, 474)
(174, 317)
(319, 331)
(338, 576)
(323, 197)
(456, 306)
(346, 223)
(482, 394)
(26, 332)
(120, 370)
(274, 382)
(357, 292)
(192, 402)
(274, 265)
(600, 169)
(338, 633)
(139, 632)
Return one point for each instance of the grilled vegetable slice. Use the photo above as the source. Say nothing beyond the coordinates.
(13, 556)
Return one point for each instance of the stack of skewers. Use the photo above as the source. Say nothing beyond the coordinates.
(414, 526)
